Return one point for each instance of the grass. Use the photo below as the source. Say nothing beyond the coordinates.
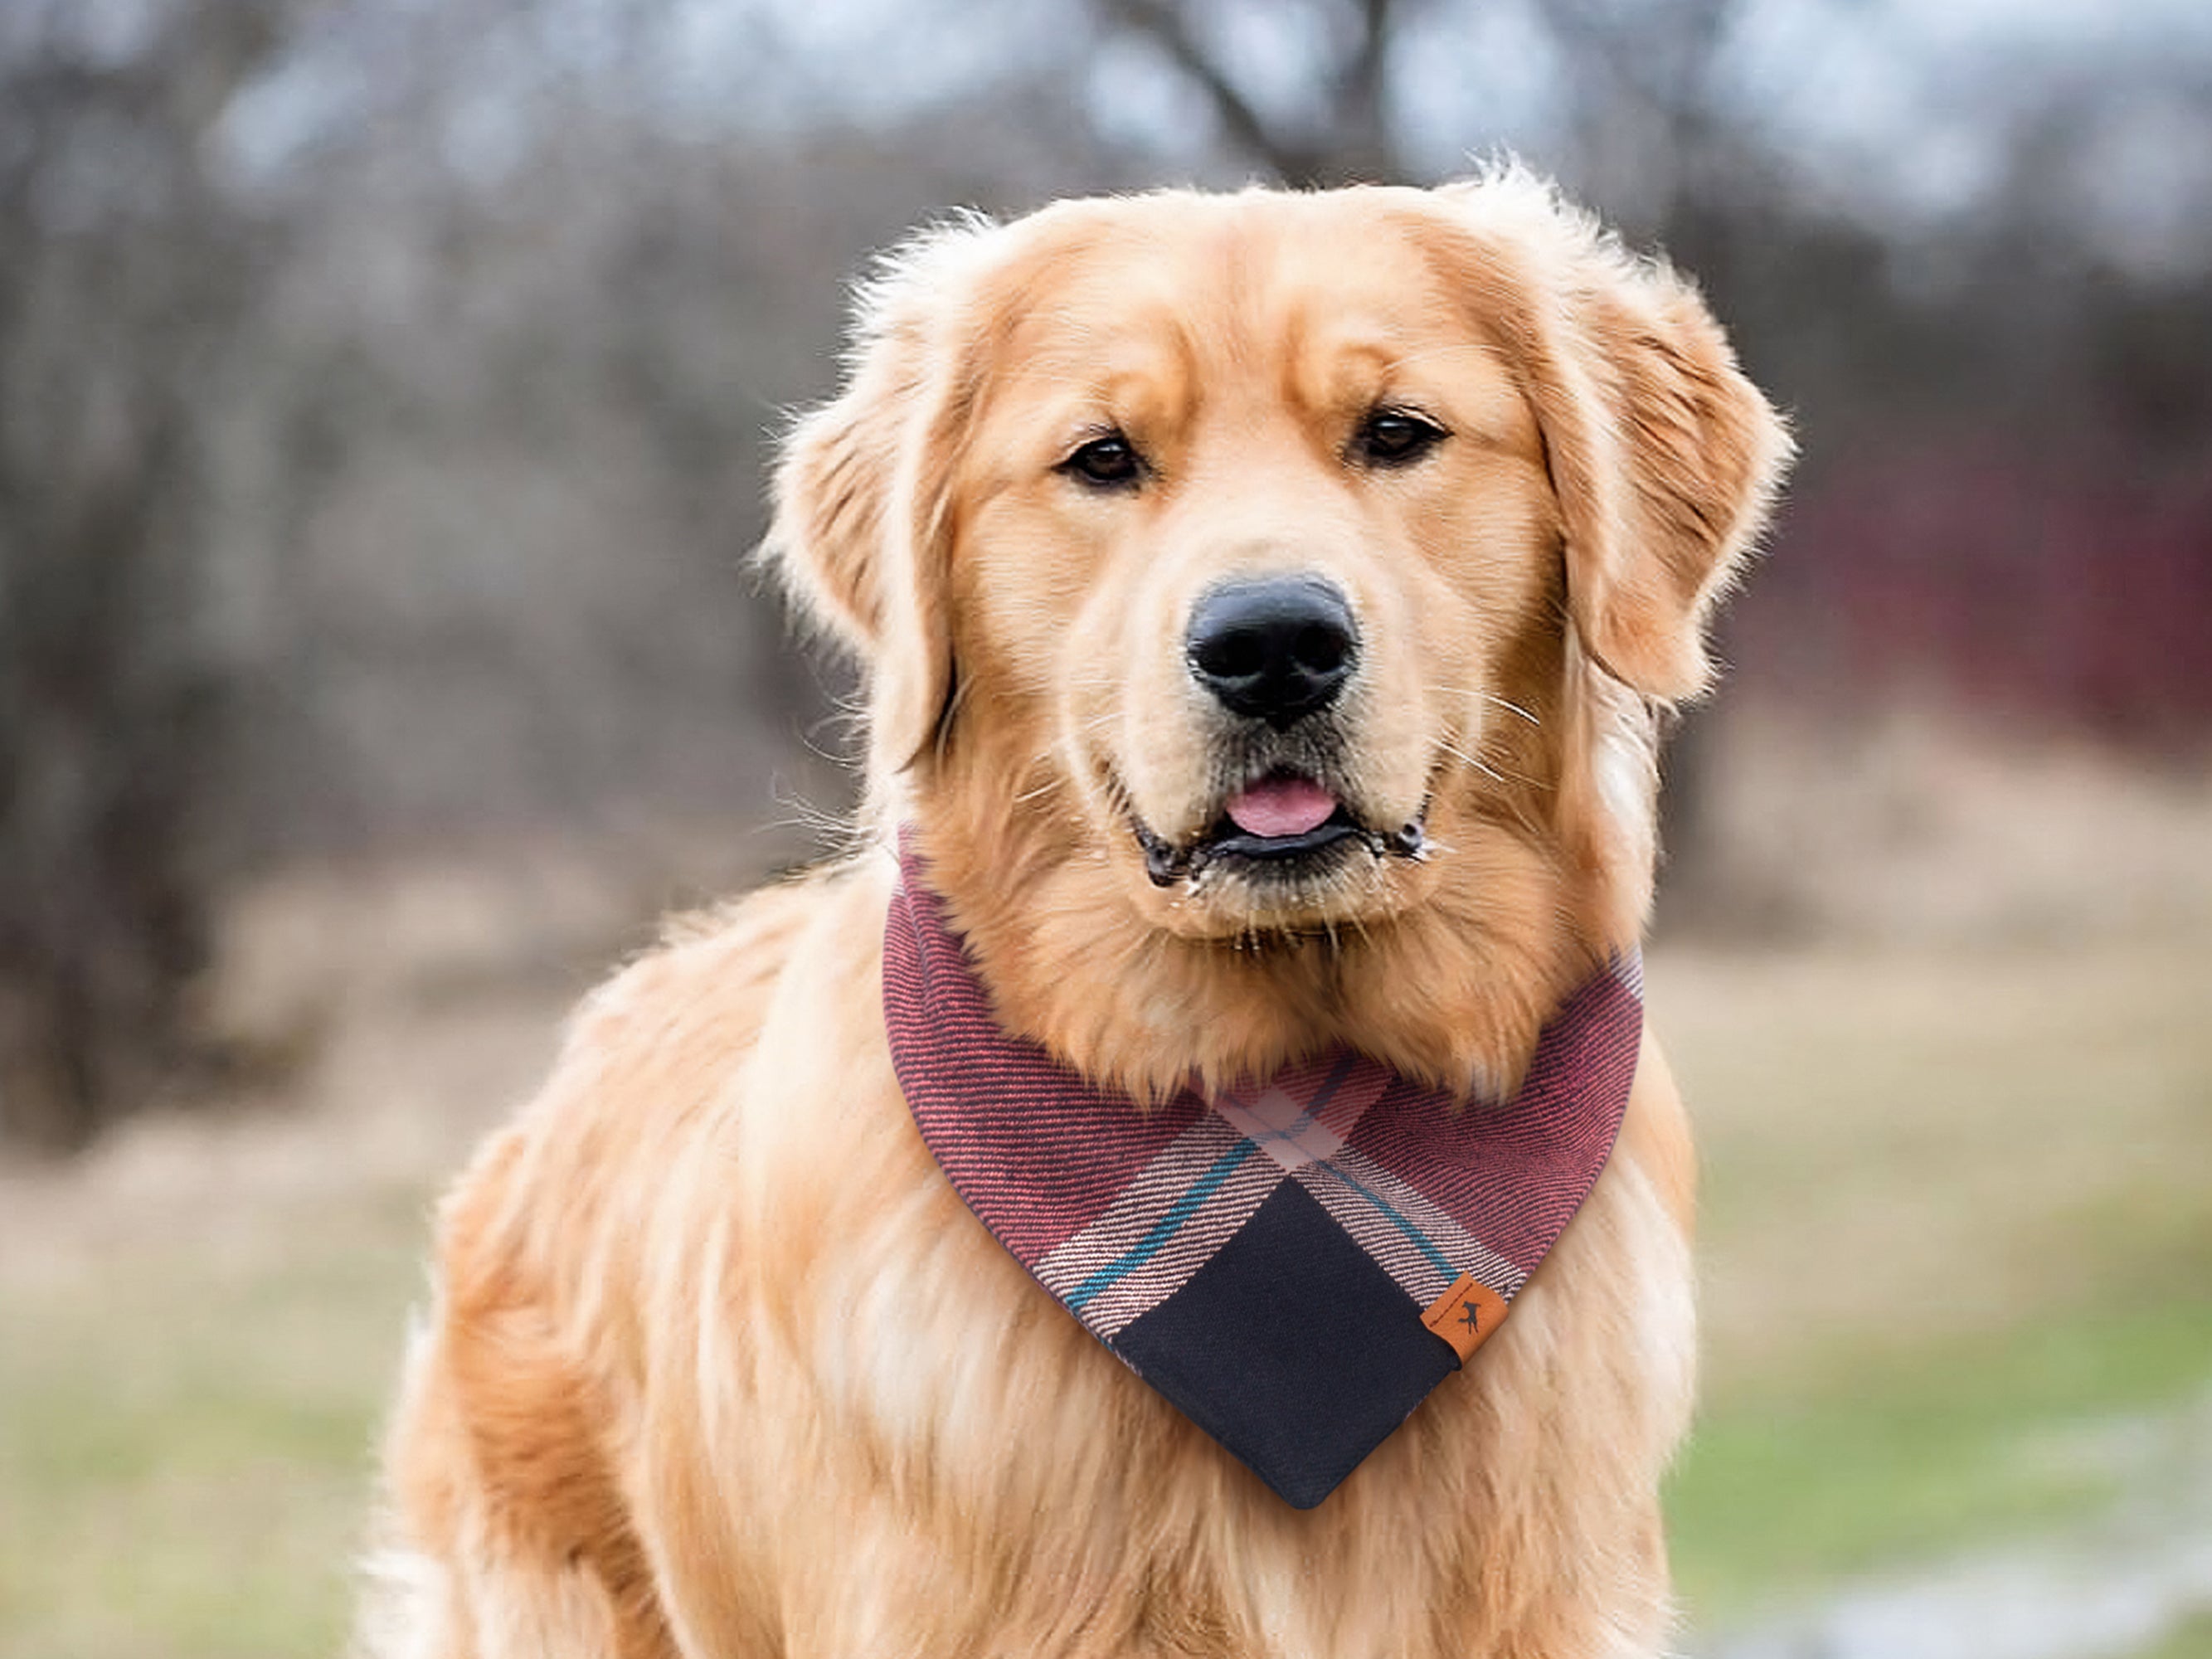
(1956, 1216)
(2192, 1641)
(185, 1440)
(1923, 1454)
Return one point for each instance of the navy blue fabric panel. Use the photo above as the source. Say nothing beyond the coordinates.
(1291, 1347)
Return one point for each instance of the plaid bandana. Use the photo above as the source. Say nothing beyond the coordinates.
(1295, 1263)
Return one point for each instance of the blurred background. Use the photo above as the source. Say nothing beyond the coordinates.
(384, 387)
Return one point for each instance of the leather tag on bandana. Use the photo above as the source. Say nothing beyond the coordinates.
(1466, 1315)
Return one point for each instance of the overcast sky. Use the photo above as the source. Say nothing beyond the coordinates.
(1897, 106)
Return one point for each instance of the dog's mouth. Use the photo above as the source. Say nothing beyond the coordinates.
(1281, 826)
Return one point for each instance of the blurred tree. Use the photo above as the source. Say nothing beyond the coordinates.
(123, 277)
(383, 389)
(1343, 133)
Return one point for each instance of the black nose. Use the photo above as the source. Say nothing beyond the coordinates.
(1274, 650)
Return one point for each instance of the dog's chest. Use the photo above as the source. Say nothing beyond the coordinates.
(942, 1460)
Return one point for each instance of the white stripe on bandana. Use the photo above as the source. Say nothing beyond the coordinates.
(1167, 1223)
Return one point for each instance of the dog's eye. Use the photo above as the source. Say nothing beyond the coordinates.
(1394, 437)
(1107, 462)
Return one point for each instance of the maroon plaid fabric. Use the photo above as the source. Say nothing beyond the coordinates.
(1296, 1262)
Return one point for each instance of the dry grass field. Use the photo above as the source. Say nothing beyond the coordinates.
(1957, 1239)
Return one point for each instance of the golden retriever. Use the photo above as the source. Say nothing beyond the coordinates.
(719, 1365)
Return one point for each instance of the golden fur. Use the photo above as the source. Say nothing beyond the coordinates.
(719, 1365)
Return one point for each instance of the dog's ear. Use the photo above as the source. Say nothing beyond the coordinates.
(862, 491)
(1663, 457)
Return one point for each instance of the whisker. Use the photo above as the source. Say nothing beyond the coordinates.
(1482, 767)
(1506, 703)
(1510, 706)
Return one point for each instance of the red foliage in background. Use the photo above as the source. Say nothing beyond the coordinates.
(2065, 589)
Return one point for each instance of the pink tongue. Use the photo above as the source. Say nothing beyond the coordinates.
(1281, 806)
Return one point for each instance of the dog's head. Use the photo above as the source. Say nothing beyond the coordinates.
(1269, 568)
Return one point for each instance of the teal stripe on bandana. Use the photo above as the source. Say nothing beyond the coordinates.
(1166, 1227)
(1420, 1240)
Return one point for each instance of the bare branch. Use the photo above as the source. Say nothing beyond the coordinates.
(1163, 22)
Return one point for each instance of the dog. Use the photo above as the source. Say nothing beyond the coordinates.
(1266, 601)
